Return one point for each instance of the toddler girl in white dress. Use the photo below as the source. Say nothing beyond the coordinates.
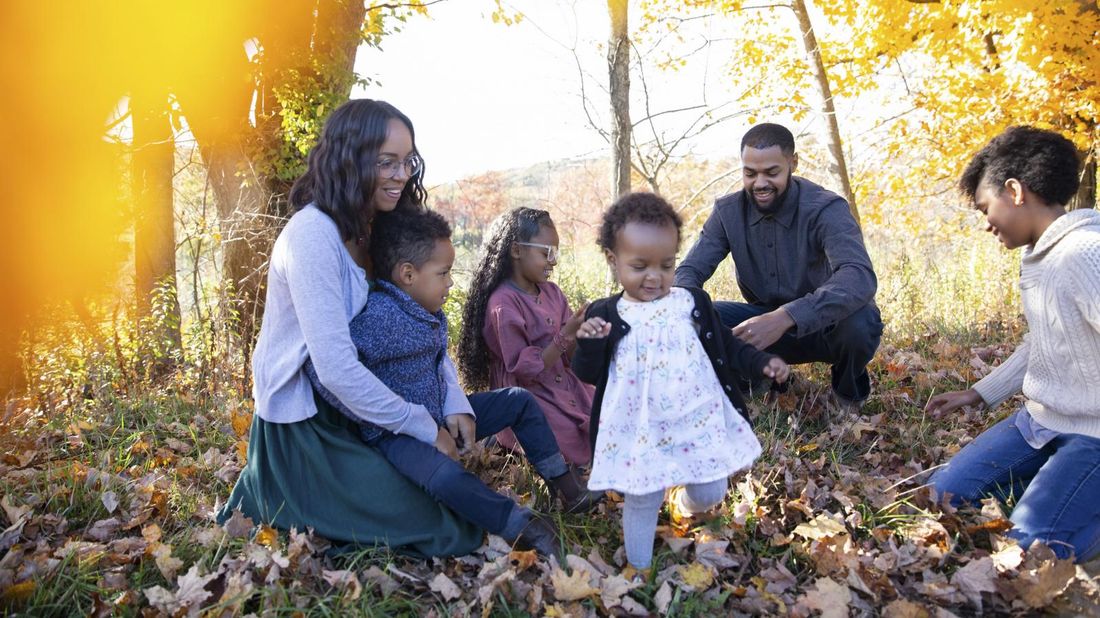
(667, 410)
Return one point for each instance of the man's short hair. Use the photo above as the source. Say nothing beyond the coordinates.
(404, 235)
(1043, 161)
(768, 134)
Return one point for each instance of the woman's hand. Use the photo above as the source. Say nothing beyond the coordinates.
(463, 429)
(949, 402)
(594, 328)
(777, 370)
(446, 444)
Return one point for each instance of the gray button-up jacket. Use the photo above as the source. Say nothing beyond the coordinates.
(807, 257)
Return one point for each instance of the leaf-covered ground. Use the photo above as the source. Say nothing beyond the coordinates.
(108, 501)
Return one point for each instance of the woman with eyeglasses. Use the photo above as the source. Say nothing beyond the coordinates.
(307, 465)
(518, 329)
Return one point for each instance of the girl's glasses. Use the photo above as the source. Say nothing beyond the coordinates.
(388, 166)
(552, 252)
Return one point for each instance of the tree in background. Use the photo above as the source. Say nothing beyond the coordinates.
(618, 66)
(924, 83)
(252, 81)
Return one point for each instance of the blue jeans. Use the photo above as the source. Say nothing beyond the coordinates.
(447, 481)
(1057, 487)
(849, 345)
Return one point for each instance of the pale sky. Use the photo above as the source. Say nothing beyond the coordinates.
(485, 96)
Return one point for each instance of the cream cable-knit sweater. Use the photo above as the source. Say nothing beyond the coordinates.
(1058, 364)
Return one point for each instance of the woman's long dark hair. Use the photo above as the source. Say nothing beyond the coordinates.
(493, 268)
(342, 175)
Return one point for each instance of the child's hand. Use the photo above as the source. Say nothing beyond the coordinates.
(446, 444)
(594, 328)
(463, 429)
(569, 329)
(777, 370)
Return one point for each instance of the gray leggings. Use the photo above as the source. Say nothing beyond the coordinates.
(640, 516)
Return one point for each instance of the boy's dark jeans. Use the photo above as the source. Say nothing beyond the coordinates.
(848, 346)
(465, 494)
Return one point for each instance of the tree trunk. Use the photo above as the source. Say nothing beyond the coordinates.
(618, 63)
(1086, 193)
(152, 168)
(239, 192)
(838, 165)
(338, 35)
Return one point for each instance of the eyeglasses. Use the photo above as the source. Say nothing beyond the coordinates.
(388, 166)
(552, 252)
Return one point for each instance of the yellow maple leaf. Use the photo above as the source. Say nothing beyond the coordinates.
(696, 576)
(572, 587)
(267, 536)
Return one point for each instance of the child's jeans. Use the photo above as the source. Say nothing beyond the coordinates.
(447, 481)
(640, 516)
(1057, 487)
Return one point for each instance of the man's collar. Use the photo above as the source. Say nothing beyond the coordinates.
(783, 215)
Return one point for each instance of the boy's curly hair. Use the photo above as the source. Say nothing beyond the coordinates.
(404, 235)
(493, 268)
(1043, 161)
(638, 208)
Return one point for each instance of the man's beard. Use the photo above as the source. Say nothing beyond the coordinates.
(777, 201)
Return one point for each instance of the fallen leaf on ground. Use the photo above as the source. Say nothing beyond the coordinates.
(828, 597)
(238, 526)
(697, 577)
(612, 590)
(445, 587)
(820, 527)
(663, 598)
(571, 587)
(976, 577)
(345, 581)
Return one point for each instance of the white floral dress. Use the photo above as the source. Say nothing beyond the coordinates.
(665, 420)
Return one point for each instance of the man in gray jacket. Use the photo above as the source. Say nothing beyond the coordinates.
(800, 263)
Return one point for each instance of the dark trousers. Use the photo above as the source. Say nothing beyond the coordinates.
(848, 345)
(447, 481)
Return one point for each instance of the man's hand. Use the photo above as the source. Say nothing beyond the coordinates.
(463, 429)
(764, 330)
(949, 402)
(446, 444)
(777, 370)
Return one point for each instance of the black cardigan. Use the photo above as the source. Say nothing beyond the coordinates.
(731, 358)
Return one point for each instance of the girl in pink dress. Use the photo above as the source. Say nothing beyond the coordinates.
(518, 330)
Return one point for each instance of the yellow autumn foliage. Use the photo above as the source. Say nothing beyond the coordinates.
(925, 83)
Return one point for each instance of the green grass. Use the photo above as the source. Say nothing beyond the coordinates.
(135, 428)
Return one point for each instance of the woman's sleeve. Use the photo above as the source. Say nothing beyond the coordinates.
(313, 268)
(1006, 379)
(509, 331)
(455, 401)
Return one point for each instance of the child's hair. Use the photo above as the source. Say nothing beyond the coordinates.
(637, 208)
(494, 267)
(403, 236)
(342, 173)
(766, 135)
(1043, 161)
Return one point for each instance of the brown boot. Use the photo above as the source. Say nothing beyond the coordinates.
(574, 494)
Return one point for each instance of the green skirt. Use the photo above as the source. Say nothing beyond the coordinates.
(319, 474)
